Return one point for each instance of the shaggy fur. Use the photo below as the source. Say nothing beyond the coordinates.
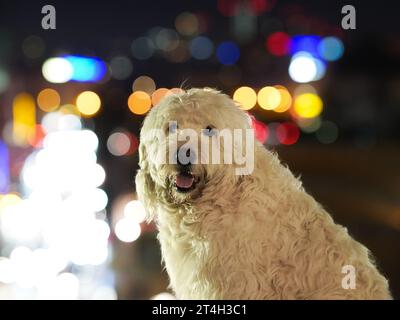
(258, 236)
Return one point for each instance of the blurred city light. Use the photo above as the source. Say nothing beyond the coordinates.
(127, 229)
(139, 102)
(57, 70)
(134, 209)
(278, 43)
(88, 103)
(303, 68)
(285, 100)
(142, 48)
(260, 130)
(228, 53)
(309, 125)
(331, 48)
(201, 48)
(327, 133)
(144, 83)
(4, 168)
(187, 24)
(308, 105)
(308, 44)
(48, 100)
(118, 143)
(246, 97)
(121, 67)
(86, 69)
(4, 80)
(269, 98)
(166, 39)
(287, 133)
(24, 118)
(158, 95)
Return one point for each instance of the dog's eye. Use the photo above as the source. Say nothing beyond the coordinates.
(209, 131)
(172, 127)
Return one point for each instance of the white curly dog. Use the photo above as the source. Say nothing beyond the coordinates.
(249, 236)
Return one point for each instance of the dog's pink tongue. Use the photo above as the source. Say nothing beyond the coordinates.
(184, 181)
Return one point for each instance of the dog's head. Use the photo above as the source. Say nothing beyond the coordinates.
(189, 146)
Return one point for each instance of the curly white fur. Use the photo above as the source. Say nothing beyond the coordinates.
(259, 236)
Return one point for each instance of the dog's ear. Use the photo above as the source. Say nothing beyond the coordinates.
(145, 187)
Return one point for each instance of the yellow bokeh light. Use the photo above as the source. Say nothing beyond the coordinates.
(269, 98)
(308, 105)
(88, 103)
(9, 200)
(246, 97)
(24, 119)
(139, 102)
(48, 100)
(286, 100)
(158, 95)
(69, 109)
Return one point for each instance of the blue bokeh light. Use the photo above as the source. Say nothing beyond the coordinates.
(228, 53)
(307, 43)
(331, 49)
(201, 48)
(4, 168)
(87, 69)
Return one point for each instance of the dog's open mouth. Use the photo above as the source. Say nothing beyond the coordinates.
(185, 182)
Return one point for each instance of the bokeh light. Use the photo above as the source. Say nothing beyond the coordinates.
(331, 48)
(4, 80)
(57, 70)
(308, 105)
(88, 103)
(303, 68)
(127, 229)
(228, 53)
(135, 209)
(201, 48)
(285, 101)
(121, 67)
(307, 43)
(278, 43)
(269, 98)
(144, 83)
(228, 7)
(260, 130)
(139, 102)
(86, 69)
(142, 48)
(24, 118)
(187, 24)
(166, 39)
(327, 133)
(287, 133)
(158, 95)
(309, 125)
(48, 100)
(4, 169)
(118, 143)
(246, 97)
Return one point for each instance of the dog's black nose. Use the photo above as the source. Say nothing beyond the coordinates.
(185, 156)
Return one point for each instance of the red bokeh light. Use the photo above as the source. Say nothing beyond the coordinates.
(37, 139)
(287, 133)
(260, 6)
(260, 130)
(278, 43)
(228, 8)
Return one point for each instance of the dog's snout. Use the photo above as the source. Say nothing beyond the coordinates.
(186, 156)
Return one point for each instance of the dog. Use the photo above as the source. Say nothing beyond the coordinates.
(225, 235)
